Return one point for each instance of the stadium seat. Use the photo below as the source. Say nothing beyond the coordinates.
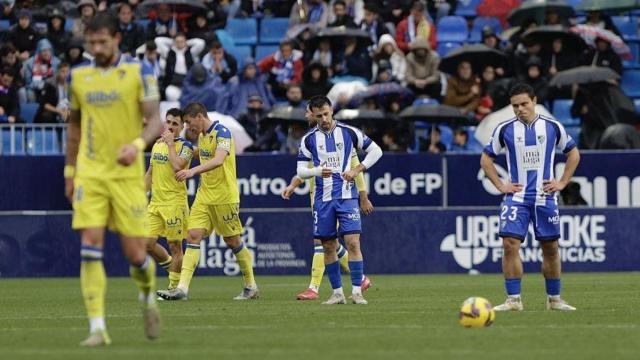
(480, 22)
(452, 29)
(467, 8)
(446, 135)
(562, 112)
(143, 23)
(68, 24)
(629, 83)
(444, 48)
(42, 142)
(273, 30)
(4, 25)
(263, 51)
(472, 143)
(637, 103)
(6, 142)
(574, 132)
(240, 53)
(627, 25)
(28, 112)
(225, 39)
(243, 31)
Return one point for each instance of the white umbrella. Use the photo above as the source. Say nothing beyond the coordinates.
(488, 124)
(240, 136)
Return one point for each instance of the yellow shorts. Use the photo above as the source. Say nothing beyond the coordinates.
(223, 219)
(120, 204)
(168, 221)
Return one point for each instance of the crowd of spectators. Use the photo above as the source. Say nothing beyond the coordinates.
(401, 57)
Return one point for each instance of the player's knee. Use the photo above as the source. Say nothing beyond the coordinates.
(330, 246)
(195, 236)
(511, 246)
(233, 241)
(136, 258)
(353, 245)
(550, 249)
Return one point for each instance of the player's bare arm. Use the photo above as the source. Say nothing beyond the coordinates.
(73, 142)
(217, 161)
(127, 153)
(365, 204)
(147, 178)
(487, 164)
(573, 158)
(288, 191)
(177, 163)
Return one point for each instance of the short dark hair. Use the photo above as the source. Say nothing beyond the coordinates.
(340, 2)
(522, 88)
(8, 71)
(215, 44)
(175, 112)
(180, 34)
(193, 109)
(103, 21)
(318, 102)
(7, 49)
(122, 5)
(151, 45)
(417, 5)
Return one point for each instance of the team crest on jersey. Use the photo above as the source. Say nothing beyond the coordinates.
(121, 74)
(519, 139)
(540, 139)
(321, 147)
(339, 146)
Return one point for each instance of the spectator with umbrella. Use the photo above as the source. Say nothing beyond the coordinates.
(422, 75)
(415, 26)
(542, 12)
(463, 90)
(535, 77)
(353, 60)
(387, 50)
(341, 17)
(283, 68)
(315, 80)
(603, 55)
(597, 18)
(323, 55)
(294, 96)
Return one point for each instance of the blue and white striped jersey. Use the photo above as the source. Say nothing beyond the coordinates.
(333, 150)
(530, 151)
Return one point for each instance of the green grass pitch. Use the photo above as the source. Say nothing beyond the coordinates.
(408, 317)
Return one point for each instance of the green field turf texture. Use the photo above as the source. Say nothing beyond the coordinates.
(408, 317)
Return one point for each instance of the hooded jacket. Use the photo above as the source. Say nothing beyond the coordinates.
(422, 68)
(23, 39)
(37, 70)
(244, 88)
(59, 39)
(397, 59)
(210, 92)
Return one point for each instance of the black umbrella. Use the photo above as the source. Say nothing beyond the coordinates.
(287, 113)
(337, 36)
(608, 5)
(347, 115)
(479, 55)
(584, 75)
(546, 34)
(176, 5)
(436, 114)
(537, 10)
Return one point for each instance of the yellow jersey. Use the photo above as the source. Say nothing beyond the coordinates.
(111, 115)
(360, 185)
(218, 186)
(165, 189)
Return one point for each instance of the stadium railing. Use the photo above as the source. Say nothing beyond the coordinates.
(33, 139)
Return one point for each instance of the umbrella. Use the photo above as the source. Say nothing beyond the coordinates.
(287, 113)
(545, 35)
(537, 10)
(176, 5)
(360, 115)
(488, 124)
(338, 34)
(609, 5)
(584, 75)
(381, 92)
(436, 114)
(591, 33)
(240, 136)
(479, 55)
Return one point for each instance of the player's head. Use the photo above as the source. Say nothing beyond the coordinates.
(174, 121)
(103, 36)
(195, 117)
(322, 112)
(523, 101)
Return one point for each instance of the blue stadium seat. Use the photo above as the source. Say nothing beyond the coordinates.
(28, 112)
(42, 142)
(480, 22)
(444, 48)
(143, 23)
(263, 51)
(4, 25)
(273, 30)
(240, 53)
(629, 83)
(637, 103)
(452, 29)
(472, 143)
(6, 142)
(446, 135)
(562, 113)
(467, 8)
(627, 25)
(225, 39)
(574, 132)
(68, 24)
(243, 31)
(635, 51)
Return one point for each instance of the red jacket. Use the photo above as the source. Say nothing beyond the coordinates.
(267, 64)
(402, 35)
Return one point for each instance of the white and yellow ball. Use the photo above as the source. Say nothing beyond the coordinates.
(476, 312)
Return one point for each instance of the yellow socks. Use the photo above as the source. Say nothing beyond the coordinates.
(93, 282)
(317, 268)
(174, 279)
(145, 278)
(166, 264)
(343, 257)
(246, 265)
(189, 263)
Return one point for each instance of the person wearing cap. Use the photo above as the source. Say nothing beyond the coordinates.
(372, 23)
(87, 10)
(415, 26)
(132, 33)
(56, 33)
(283, 67)
(23, 35)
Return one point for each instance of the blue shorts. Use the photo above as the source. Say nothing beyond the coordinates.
(341, 214)
(515, 218)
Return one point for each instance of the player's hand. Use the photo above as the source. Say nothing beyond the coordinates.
(184, 175)
(365, 205)
(288, 191)
(167, 137)
(68, 189)
(326, 172)
(127, 154)
(509, 188)
(349, 175)
(550, 186)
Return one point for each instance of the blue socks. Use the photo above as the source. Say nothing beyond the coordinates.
(356, 268)
(512, 286)
(552, 286)
(333, 270)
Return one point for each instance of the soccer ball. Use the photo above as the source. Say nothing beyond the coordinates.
(476, 312)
